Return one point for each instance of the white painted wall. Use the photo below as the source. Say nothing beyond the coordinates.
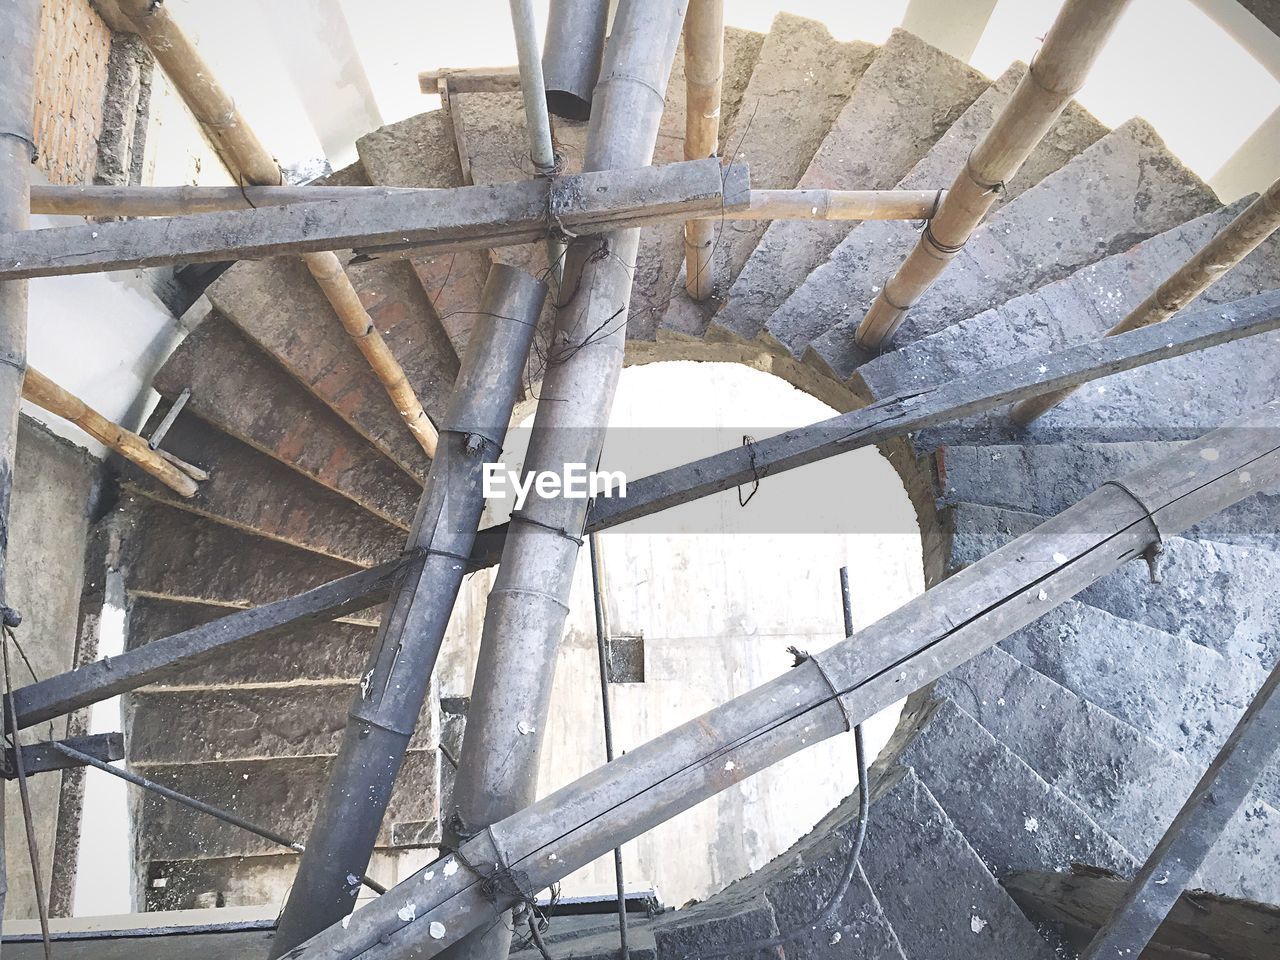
(718, 607)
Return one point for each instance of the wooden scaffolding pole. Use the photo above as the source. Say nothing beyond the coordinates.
(704, 72)
(20, 28)
(1055, 75)
(827, 695)
(1232, 244)
(252, 164)
(47, 395)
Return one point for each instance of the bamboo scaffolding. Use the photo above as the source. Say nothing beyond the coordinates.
(47, 395)
(1055, 75)
(524, 620)
(826, 695)
(185, 201)
(20, 28)
(1232, 244)
(572, 54)
(251, 163)
(385, 710)
(704, 72)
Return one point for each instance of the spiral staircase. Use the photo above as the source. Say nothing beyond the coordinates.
(1073, 742)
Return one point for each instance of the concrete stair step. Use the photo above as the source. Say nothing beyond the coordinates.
(1132, 786)
(589, 938)
(238, 389)
(282, 794)
(302, 719)
(1124, 188)
(943, 902)
(801, 81)
(277, 304)
(1008, 813)
(1074, 309)
(310, 652)
(175, 555)
(1215, 594)
(421, 152)
(733, 916)
(661, 254)
(908, 97)
(258, 494)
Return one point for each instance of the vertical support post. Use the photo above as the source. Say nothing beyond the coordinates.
(498, 769)
(385, 709)
(572, 55)
(704, 72)
(541, 150)
(598, 587)
(1232, 244)
(20, 28)
(1220, 793)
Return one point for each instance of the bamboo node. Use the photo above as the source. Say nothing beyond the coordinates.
(22, 137)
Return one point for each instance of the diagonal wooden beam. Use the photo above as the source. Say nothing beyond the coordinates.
(466, 217)
(45, 757)
(897, 416)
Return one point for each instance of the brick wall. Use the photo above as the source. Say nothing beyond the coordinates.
(71, 75)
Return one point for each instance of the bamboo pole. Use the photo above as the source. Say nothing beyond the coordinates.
(823, 697)
(571, 55)
(94, 201)
(20, 28)
(470, 80)
(524, 621)
(251, 164)
(1055, 75)
(47, 395)
(1232, 244)
(704, 72)
(836, 205)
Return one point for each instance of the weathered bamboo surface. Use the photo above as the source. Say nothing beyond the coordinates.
(704, 72)
(46, 394)
(1055, 75)
(471, 80)
(826, 695)
(463, 218)
(94, 201)
(814, 204)
(1229, 246)
(252, 164)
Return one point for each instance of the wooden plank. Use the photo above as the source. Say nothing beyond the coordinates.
(94, 201)
(1201, 923)
(467, 218)
(44, 757)
(159, 659)
(471, 80)
(897, 416)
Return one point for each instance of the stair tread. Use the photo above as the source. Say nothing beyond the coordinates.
(277, 304)
(191, 727)
(941, 899)
(172, 554)
(420, 152)
(1009, 814)
(1124, 188)
(258, 494)
(323, 650)
(802, 79)
(239, 389)
(905, 100)
(282, 794)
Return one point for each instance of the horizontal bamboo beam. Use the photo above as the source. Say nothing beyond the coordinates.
(166, 657)
(95, 201)
(826, 695)
(182, 201)
(471, 80)
(900, 415)
(465, 217)
(1055, 75)
(704, 71)
(253, 165)
(1232, 244)
(46, 394)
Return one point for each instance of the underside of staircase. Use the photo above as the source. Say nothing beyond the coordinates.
(1073, 742)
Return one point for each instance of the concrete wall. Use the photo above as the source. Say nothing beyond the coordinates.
(55, 488)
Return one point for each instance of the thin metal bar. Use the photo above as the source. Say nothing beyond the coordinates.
(24, 792)
(198, 805)
(598, 587)
(541, 150)
(1191, 836)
